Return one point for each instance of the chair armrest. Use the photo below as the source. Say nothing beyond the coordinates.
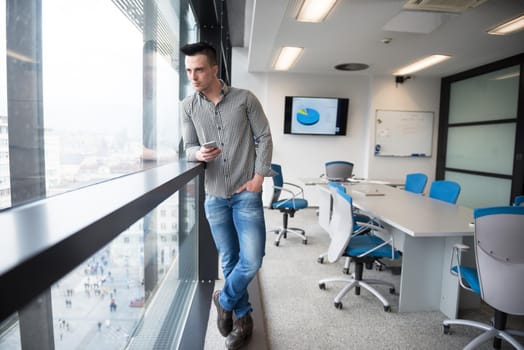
(456, 254)
(301, 190)
(461, 247)
(385, 232)
(293, 194)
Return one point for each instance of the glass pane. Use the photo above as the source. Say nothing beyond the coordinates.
(92, 90)
(121, 297)
(10, 336)
(490, 96)
(5, 192)
(171, 265)
(481, 191)
(487, 148)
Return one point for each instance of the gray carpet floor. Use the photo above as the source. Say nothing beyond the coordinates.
(298, 315)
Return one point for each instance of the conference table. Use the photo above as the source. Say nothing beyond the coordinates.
(424, 230)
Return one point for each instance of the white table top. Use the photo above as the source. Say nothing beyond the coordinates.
(416, 215)
(323, 180)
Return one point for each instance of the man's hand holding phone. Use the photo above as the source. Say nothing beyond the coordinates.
(210, 144)
(208, 151)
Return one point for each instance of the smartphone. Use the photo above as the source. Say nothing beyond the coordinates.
(210, 144)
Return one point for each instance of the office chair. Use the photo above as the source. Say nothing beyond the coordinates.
(519, 201)
(499, 274)
(339, 170)
(416, 182)
(291, 203)
(445, 190)
(325, 211)
(362, 249)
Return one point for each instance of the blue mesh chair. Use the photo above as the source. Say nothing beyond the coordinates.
(416, 182)
(445, 190)
(362, 249)
(498, 276)
(519, 201)
(339, 170)
(288, 198)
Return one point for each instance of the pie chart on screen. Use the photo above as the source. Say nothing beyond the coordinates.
(308, 116)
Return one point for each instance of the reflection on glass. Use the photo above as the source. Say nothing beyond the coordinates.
(486, 148)
(481, 191)
(490, 96)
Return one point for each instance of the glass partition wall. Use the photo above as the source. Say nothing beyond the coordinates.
(481, 133)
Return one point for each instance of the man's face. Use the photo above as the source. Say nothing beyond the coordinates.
(201, 74)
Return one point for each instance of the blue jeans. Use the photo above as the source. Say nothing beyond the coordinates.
(239, 231)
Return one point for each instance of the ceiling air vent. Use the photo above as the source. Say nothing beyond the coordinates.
(455, 6)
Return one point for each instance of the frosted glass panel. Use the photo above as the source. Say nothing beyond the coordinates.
(490, 96)
(481, 191)
(486, 148)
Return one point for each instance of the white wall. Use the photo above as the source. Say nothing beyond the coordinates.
(303, 156)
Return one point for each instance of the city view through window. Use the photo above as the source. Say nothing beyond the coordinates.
(94, 101)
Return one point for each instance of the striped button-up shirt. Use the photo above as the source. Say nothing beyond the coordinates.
(239, 126)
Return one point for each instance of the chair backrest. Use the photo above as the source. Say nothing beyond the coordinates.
(445, 190)
(336, 185)
(342, 224)
(499, 250)
(519, 201)
(278, 182)
(416, 182)
(325, 208)
(339, 170)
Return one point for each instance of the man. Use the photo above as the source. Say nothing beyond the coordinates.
(236, 166)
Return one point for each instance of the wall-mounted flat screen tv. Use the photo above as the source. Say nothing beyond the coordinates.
(315, 115)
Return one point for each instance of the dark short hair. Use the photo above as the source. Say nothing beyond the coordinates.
(201, 48)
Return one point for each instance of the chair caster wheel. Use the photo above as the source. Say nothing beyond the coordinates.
(391, 290)
(338, 305)
(387, 308)
(277, 243)
(320, 260)
(446, 329)
(322, 286)
(345, 270)
(304, 241)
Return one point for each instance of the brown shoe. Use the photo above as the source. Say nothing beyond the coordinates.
(224, 318)
(241, 332)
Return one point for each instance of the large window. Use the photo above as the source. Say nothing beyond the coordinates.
(89, 91)
(101, 82)
(92, 93)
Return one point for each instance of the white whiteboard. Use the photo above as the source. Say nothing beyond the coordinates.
(403, 133)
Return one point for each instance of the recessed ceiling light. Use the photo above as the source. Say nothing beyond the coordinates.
(351, 66)
(287, 57)
(315, 10)
(421, 64)
(508, 27)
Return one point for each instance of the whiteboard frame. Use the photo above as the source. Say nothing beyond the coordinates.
(414, 144)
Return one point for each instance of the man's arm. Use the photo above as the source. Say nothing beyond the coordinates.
(194, 151)
(191, 144)
(262, 134)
